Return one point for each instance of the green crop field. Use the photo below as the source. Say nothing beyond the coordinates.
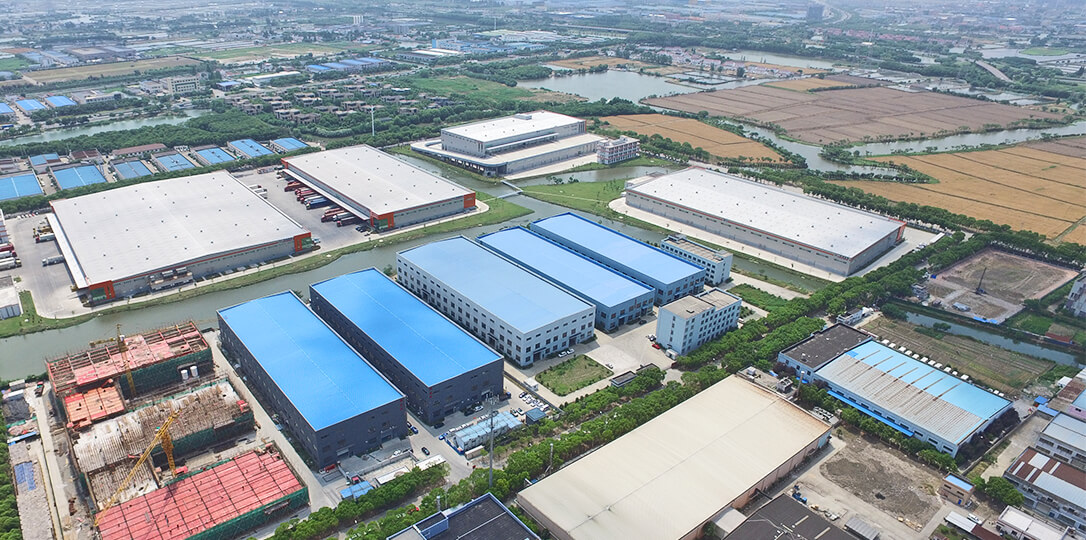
(572, 375)
(468, 87)
(1044, 51)
(13, 64)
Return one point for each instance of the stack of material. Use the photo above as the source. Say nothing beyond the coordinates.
(93, 405)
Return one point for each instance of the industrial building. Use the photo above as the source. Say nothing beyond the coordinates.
(287, 144)
(383, 191)
(512, 144)
(224, 501)
(672, 277)
(611, 151)
(910, 396)
(514, 311)
(77, 176)
(59, 101)
(1064, 438)
(1051, 487)
(42, 162)
(172, 161)
(155, 358)
(716, 262)
(157, 235)
(689, 322)
(439, 367)
(19, 185)
(127, 170)
(810, 231)
(29, 105)
(10, 305)
(484, 518)
(1076, 298)
(212, 156)
(618, 299)
(1018, 524)
(784, 518)
(814, 352)
(143, 149)
(6, 110)
(249, 148)
(334, 402)
(666, 479)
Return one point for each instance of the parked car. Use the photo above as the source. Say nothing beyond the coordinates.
(656, 345)
(413, 429)
(425, 451)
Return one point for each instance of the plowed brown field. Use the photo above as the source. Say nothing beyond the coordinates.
(716, 141)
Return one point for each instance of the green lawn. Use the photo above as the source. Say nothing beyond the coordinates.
(1044, 51)
(30, 321)
(13, 64)
(757, 297)
(572, 375)
(466, 86)
(1038, 324)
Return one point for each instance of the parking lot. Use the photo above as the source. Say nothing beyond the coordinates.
(51, 285)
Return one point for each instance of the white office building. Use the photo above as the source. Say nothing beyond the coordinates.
(717, 263)
(689, 322)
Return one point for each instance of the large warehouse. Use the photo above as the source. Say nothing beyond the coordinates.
(667, 478)
(811, 231)
(512, 144)
(333, 401)
(618, 299)
(672, 277)
(156, 235)
(438, 366)
(910, 396)
(380, 189)
(512, 310)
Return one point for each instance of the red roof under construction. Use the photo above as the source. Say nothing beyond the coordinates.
(93, 405)
(201, 501)
(101, 363)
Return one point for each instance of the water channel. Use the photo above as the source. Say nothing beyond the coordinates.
(134, 123)
(998, 340)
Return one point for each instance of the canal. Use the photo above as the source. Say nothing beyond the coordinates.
(135, 123)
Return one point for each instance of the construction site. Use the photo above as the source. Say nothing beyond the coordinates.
(163, 446)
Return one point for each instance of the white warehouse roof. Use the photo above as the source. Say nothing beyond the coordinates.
(667, 477)
(819, 224)
(511, 126)
(374, 179)
(140, 229)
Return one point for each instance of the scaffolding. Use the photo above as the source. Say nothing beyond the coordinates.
(94, 405)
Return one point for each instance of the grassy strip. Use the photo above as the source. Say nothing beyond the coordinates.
(757, 297)
(572, 375)
(500, 211)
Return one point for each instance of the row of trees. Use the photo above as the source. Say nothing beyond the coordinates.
(10, 528)
(45, 115)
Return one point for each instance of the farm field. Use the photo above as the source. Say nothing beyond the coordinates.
(280, 50)
(1031, 187)
(593, 61)
(112, 69)
(716, 141)
(1009, 280)
(1004, 370)
(810, 83)
(853, 114)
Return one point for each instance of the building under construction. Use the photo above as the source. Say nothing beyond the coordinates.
(156, 359)
(102, 453)
(222, 502)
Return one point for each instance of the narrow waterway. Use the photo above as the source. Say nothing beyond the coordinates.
(999, 341)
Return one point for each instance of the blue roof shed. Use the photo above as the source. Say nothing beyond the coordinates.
(78, 176)
(211, 156)
(20, 185)
(249, 148)
(60, 101)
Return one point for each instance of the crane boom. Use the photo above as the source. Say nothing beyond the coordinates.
(161, 436)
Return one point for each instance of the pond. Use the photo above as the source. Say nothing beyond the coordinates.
(67, 133)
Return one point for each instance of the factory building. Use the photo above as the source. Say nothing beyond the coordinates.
(512, 144)
(484, 518)
(1051, 488)
(666, 479)
(248, 148)
(611, 151)
(618, 299)
(383, 191)
(689, 322)
(333, 401)
(785, 518)
(672, 277)
(1064, 438)
(716, 262)
(814, 352)
(512, 310)
(810, 231)
(439, 367)
(287, 144)
(910, 396)
(157, 235)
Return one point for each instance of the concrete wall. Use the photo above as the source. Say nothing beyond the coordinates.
(429, 213)
(523, 348)
(429, 403)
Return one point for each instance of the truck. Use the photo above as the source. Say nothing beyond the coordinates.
(55, 259)
(7, 247)
(9, 263)
(291, 186)
(316, 203)
(303, 193)
(348, 221)
(8, 255)
(45, 237)
(341, 216)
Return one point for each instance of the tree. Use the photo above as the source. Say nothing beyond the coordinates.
(1002, 490)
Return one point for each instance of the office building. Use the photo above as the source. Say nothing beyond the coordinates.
(689, 322)
(814, 352)
(716, 262)
(611, 151)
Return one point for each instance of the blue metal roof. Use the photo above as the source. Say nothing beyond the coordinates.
(215, 155)
(60, 101)
(326, 380)
(585, 277)
(42, 159)
(423, 341)
(250, 148)
(29, 105)
(6, 109)
(317, 67)
(174, 162)
(519, 298)
(336, 65)
(618, 247)
(289, 143)
(78, 176)
(131, 169)
(1080, 401)
(958, 482)
(20, 185)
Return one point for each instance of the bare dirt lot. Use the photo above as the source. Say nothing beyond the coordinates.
(1039, 187)
(111, 69)
(853, 114)
(716, 141)
(1008, 281)
(1004, 370)
(833, 81)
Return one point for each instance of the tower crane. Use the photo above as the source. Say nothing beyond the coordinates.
(162, 436)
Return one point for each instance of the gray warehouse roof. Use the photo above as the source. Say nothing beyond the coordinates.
(140, 229)
(374, 179)
(828, 227)
(784, 518)
(1068, 430)
(511, 126)
(825, 345)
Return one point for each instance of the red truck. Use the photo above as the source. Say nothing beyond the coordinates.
(7, 247)
(291, 186)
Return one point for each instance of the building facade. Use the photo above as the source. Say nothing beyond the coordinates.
(611, 151)
(672, 277)
(956, 490)
(510, 309)
(1064, 438)
(618, 299)
(1076, 299)
(717, 263)
(1051, 488)
(327, 395)
(185, 84)
(439, 367)
(688, 323)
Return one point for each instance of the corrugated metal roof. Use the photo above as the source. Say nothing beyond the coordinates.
(1068, 430)
(511, 126)
(581, 275)
(326, 380)
(422, 340)
(932, 400)
(250, 148)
